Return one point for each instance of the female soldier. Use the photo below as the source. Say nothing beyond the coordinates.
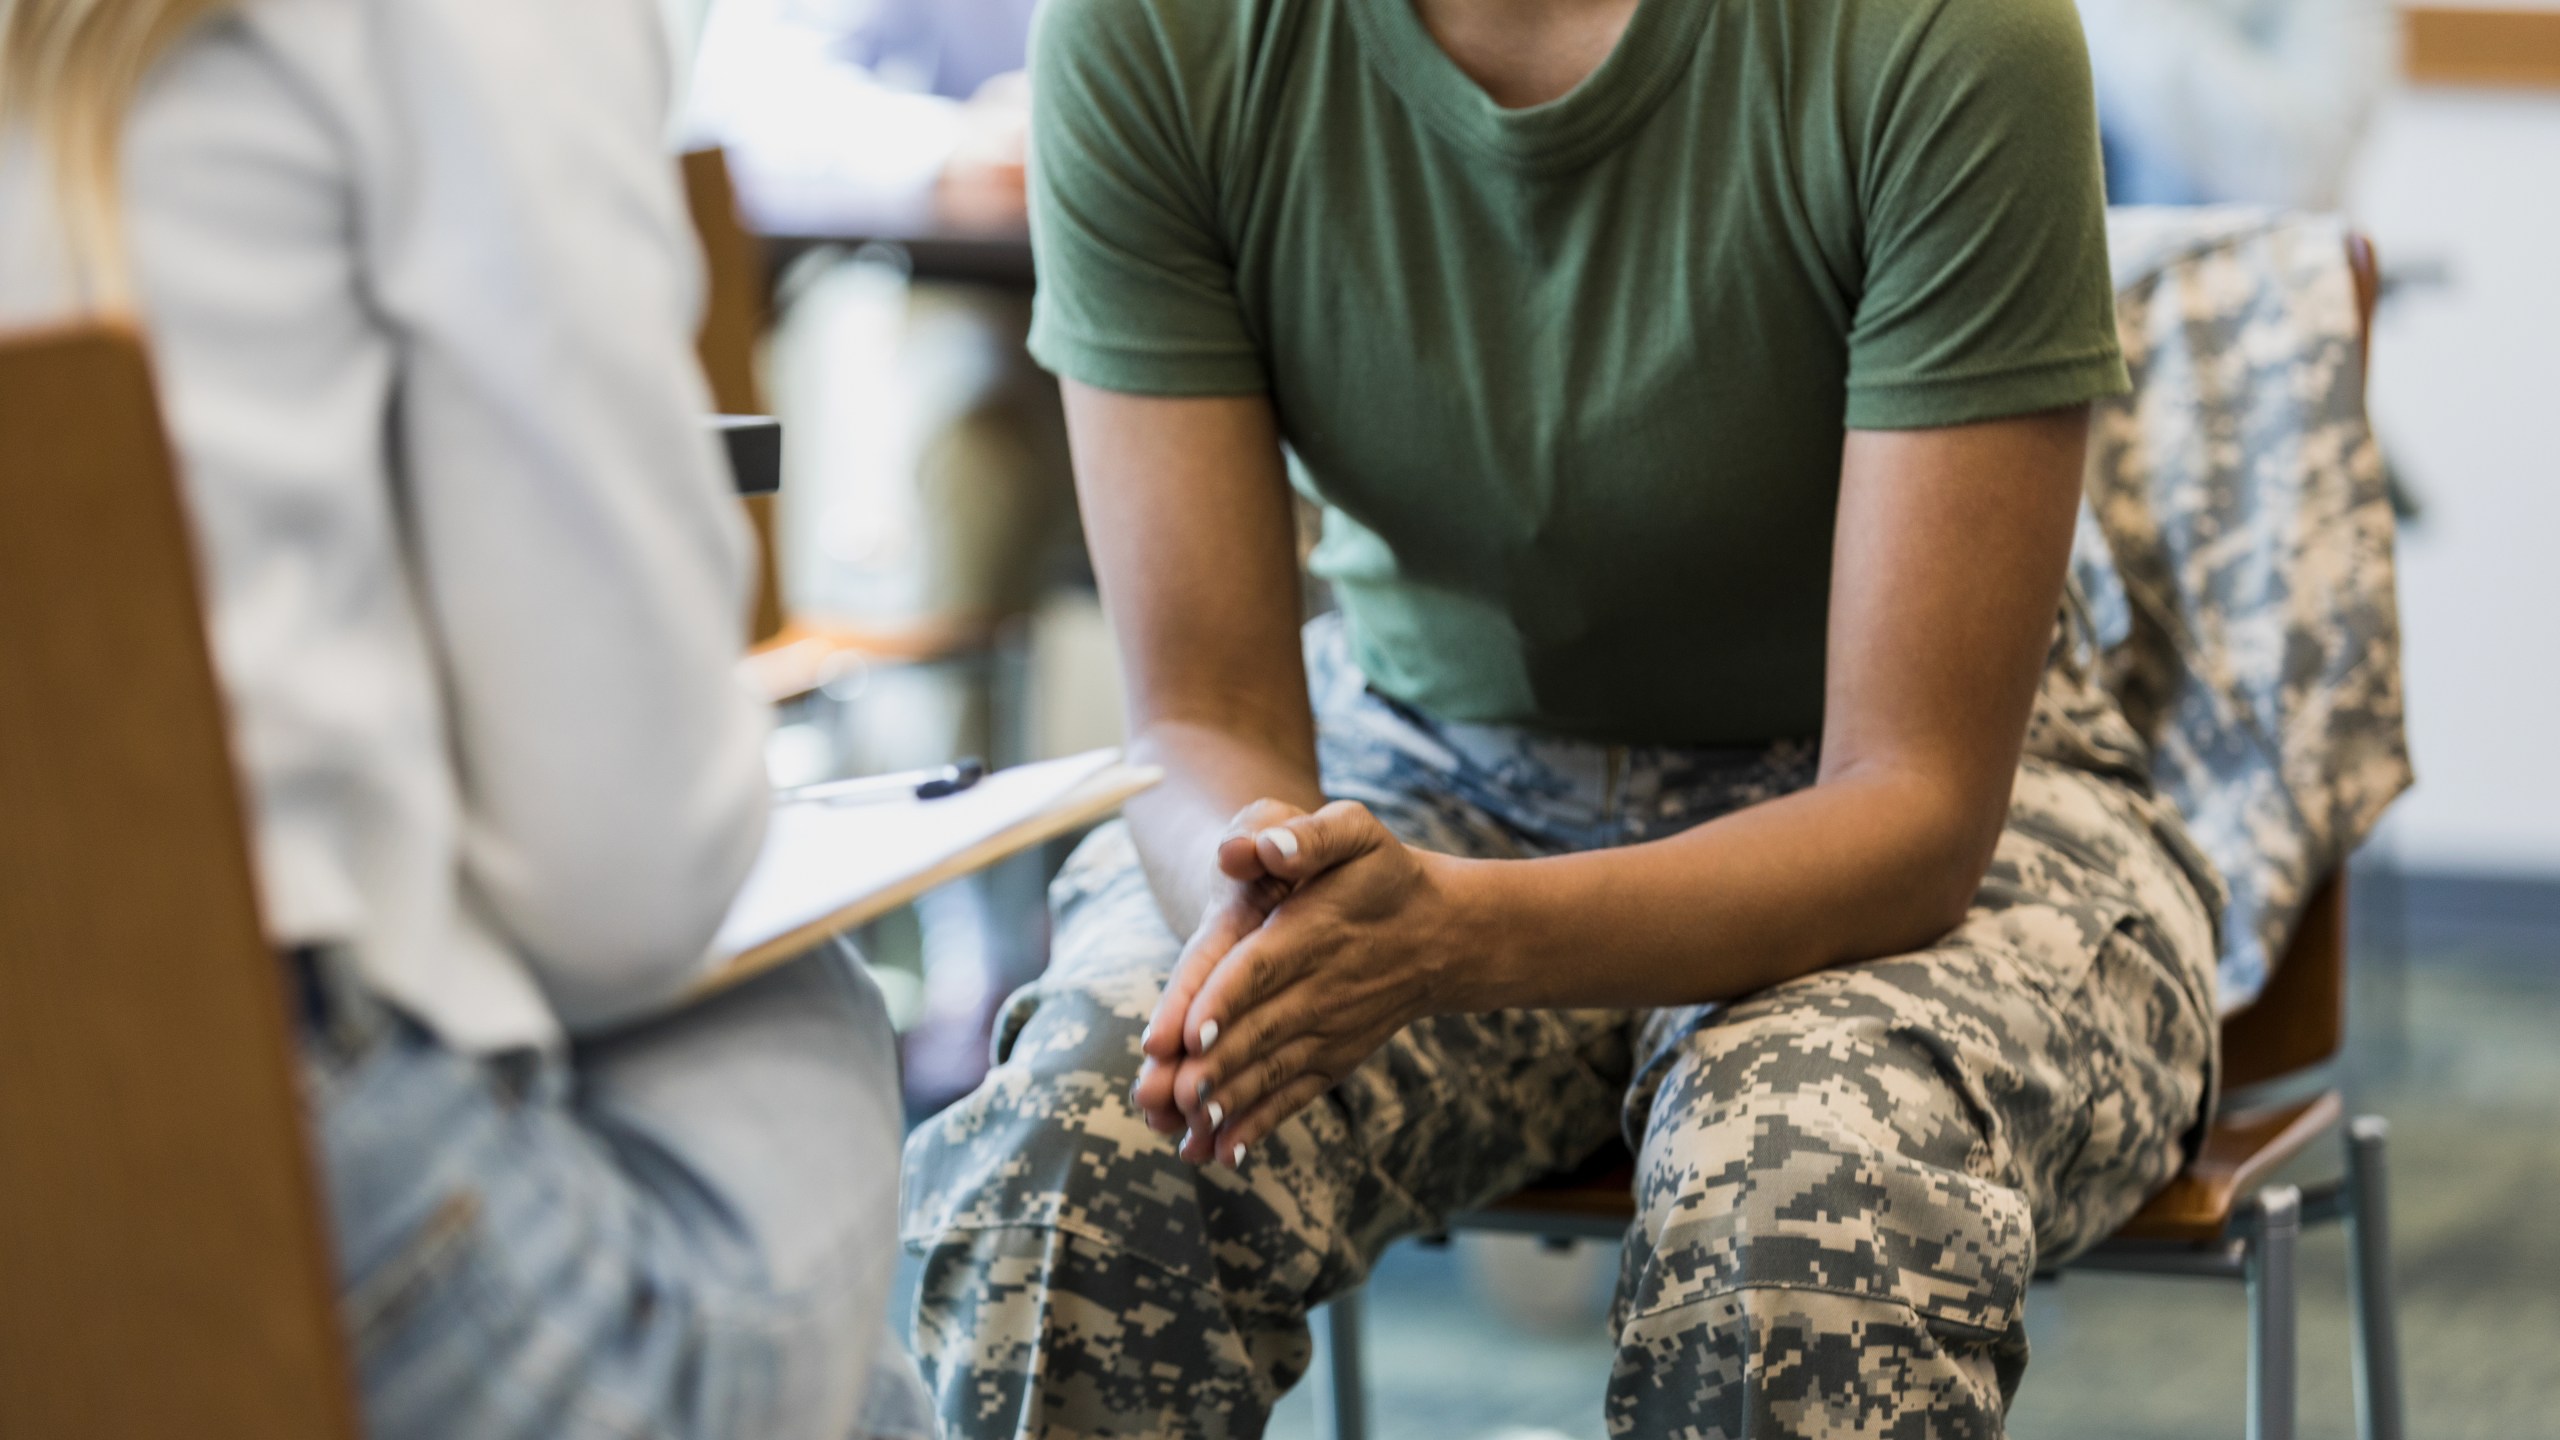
(1695, 390)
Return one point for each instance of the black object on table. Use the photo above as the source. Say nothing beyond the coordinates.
(754, 446)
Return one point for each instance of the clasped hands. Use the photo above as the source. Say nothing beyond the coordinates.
(1328, 936)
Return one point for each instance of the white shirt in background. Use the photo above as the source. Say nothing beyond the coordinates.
(2236, 101)
(839, 116)
(419, 293)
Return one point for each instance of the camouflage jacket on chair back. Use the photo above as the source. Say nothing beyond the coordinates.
(2236, 552)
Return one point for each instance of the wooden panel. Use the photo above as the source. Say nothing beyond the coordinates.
(162, 1264)
(769, 621)
(733, 321)
(2300, 1020)
(733, 299)
(2482, 45)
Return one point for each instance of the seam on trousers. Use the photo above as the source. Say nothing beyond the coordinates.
(1897, 1302)
(1075, 1228)
(1079, 1231)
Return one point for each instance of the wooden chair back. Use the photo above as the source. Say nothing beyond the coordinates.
(163, 1261)
(733, 319)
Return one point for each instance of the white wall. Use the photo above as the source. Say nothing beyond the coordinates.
(2467, 397)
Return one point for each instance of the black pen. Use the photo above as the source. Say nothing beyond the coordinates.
(928, 784)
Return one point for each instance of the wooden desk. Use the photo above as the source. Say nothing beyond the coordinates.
(1002, 260)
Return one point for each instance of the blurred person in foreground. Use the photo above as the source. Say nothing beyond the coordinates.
(892, 119)
(1704, 753)
(2260, 102)
(420, 299)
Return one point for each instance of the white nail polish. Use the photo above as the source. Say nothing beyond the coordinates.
(1282, 840)
(1147, 1035)
(1217, 1115)
(1239, 1154)
(1208, 1035)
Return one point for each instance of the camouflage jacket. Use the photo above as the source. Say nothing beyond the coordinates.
(2236, 555)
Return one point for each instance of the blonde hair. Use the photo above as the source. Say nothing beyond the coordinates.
(68, 72)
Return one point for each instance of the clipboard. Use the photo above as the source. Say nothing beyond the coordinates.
(828, 869)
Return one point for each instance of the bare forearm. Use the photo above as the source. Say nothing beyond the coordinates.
(1211, 772)
(1849, 870)
(1187, 508)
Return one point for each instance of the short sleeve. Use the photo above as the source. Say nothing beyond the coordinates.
(1986, 290)
(1137, 288)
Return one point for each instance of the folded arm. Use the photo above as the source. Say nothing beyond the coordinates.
(1947, 571)
(1187, 508)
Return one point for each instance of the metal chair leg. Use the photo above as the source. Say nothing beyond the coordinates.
(2275, 1227)
(1342, 1404)
(2380, 1411)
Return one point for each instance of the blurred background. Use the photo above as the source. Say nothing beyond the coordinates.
(928, 515)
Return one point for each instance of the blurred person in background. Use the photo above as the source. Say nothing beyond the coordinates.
(2262, 102)
(879, 117)
(420, 296)
(896, 119)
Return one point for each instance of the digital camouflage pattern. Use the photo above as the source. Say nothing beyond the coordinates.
(2238, 555)
(1844, 1183)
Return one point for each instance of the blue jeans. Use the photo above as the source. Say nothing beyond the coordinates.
(681, 1231)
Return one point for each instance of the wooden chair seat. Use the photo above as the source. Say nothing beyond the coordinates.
(2240, 1155)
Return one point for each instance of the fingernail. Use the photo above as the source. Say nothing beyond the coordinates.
(1147, 1036)
(1284, 841)
(1217, 1115)
(1208, 1035)
(1200, 1095)
(1239, 1154)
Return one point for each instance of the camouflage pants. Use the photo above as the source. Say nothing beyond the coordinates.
(1843, 1184)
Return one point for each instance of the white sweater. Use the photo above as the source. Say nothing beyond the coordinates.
(419, 292)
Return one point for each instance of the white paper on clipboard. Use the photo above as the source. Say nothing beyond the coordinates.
(821, 863)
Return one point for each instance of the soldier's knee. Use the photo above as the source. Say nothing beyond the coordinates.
(1808, 1364)
(1780, 1194)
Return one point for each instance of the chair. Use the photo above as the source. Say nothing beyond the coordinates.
(733, 316)
(2223, 1216)
(791, 655)
(163, 1258)
(163, 1268)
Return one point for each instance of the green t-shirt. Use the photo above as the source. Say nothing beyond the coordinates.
(1571, 382)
